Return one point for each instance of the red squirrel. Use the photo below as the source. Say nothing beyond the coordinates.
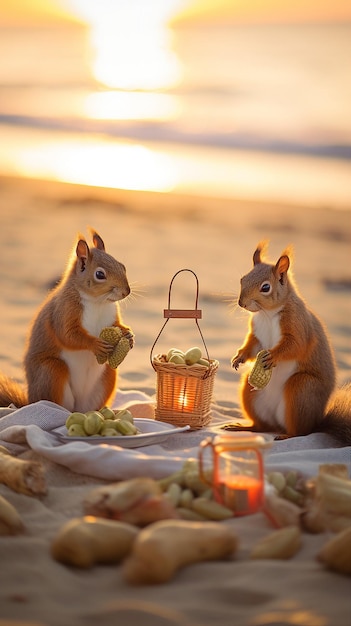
(300, 397)
(63, 343)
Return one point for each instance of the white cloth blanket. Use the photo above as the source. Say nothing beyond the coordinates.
(31, 428)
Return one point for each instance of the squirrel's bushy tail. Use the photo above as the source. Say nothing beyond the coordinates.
(11, 392)
(337, 420)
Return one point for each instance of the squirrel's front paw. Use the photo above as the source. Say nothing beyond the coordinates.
(237, 360)
(102, 350)
(116, 342)
(128, 334)
(267, 360)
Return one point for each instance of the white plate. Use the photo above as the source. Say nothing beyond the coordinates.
(152, 432)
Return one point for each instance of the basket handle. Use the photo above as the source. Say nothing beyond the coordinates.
(169, 313)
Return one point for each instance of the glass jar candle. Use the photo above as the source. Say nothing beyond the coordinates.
(232, 464)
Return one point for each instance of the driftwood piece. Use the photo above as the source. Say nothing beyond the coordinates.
(22, 476)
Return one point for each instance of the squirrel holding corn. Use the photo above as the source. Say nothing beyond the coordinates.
(299, 396)
(65, 359)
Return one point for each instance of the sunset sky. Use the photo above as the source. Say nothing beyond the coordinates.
(43, 11)
(124, 72)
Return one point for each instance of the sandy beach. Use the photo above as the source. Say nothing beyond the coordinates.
(155, 235)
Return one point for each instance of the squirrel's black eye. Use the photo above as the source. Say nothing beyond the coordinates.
(266, 287)
(100, 274)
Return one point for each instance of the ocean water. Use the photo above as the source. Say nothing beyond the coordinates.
(261, 112)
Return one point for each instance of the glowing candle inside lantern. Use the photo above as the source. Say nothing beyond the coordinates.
(185, 393)
(182, 400)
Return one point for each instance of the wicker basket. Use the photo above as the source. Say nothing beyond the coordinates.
(183, 392)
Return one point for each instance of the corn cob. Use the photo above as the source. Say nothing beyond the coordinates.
(112, 334)
(101, 359)
(119, 353)
(259, 377)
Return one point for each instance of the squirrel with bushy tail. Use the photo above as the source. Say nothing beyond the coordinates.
(64, 346)
(301, 396)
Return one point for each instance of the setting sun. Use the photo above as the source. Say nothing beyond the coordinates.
(131, 42)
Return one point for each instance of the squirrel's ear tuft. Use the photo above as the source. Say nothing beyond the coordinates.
(97, 241)
(259, 252)
(289, 252)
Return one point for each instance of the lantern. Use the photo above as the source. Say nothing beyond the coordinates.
(183, 392)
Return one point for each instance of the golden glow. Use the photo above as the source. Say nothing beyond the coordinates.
(75, 159)
(131, 42)
(27, 12)
(267, 11)
(89, 162)
(125, 105)
(30, 12)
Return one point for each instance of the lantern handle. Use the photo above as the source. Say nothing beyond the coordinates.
(169, 313)
(183, 313)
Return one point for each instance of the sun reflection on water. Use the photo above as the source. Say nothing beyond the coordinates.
(133, 60)
(89, 161)
(127, 105)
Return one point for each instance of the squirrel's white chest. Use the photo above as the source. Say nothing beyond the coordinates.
(269, 402)
(97, 315)
(84, 386)
(266, 326)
